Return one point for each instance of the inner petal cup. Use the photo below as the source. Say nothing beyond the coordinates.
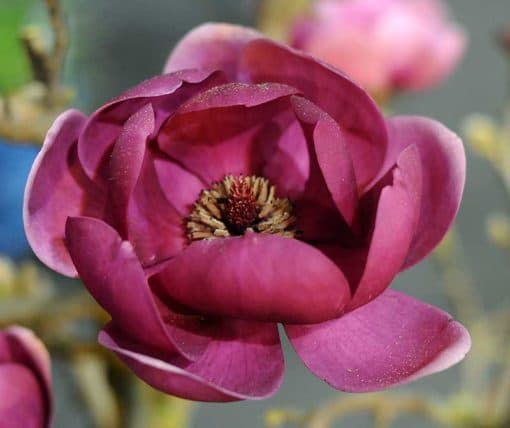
(213, 134)
(255, 277)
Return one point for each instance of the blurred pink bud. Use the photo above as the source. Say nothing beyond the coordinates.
(385, 45)
(25, 380)
(505, 38)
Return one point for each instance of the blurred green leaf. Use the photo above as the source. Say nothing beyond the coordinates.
(14, 65)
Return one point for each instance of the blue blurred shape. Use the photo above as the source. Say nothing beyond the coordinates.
(15, 163)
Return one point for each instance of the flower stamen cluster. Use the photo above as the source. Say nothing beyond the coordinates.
(237, 204)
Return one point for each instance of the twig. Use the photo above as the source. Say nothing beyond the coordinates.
(56, 59)
(385, 408)
(34, 311)
(28, 112)
(458, 286)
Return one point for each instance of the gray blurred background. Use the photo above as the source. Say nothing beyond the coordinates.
(117, 43)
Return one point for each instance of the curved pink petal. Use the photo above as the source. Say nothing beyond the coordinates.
(21, 400)
(213, 134)
(112, 273)
(283, 155)
(244, 360)
(19, 347)
(58, 188)
(390, 341)
(444, 173)
(357, 115)
(255, 277)
(126, 162)
(211, 46)
(331, 175)
(396, 220)
(154, 226)
(165, 93)
(181, 187)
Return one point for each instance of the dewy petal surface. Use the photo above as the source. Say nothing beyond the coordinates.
(255, 277)
(244, 360)
(112, 273)
(58, 188)
(211, 47)
(357, 115)
(444, 173)
(392, 340)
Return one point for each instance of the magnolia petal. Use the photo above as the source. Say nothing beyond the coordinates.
(255, 277)
(154, 226)
(165, 93)
(213, 134)
(264, 60)
(444, 173)
(283, 155)
(395, 223)
(331, 169)
(112, 273)
(126, 162)
(211, 47)
(244, 360)
(181, 187)
(58, 188)
(390, 341)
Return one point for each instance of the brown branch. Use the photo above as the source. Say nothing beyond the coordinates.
(56, 59)
(27, 113)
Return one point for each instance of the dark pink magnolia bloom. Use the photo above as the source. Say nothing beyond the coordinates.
(251, 185)
(25, 380)
(385, 45)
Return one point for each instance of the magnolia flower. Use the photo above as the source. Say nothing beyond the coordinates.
(385, 45)
(25, 380)
(247, 186)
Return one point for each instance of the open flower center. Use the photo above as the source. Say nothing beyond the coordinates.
(237, 204)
